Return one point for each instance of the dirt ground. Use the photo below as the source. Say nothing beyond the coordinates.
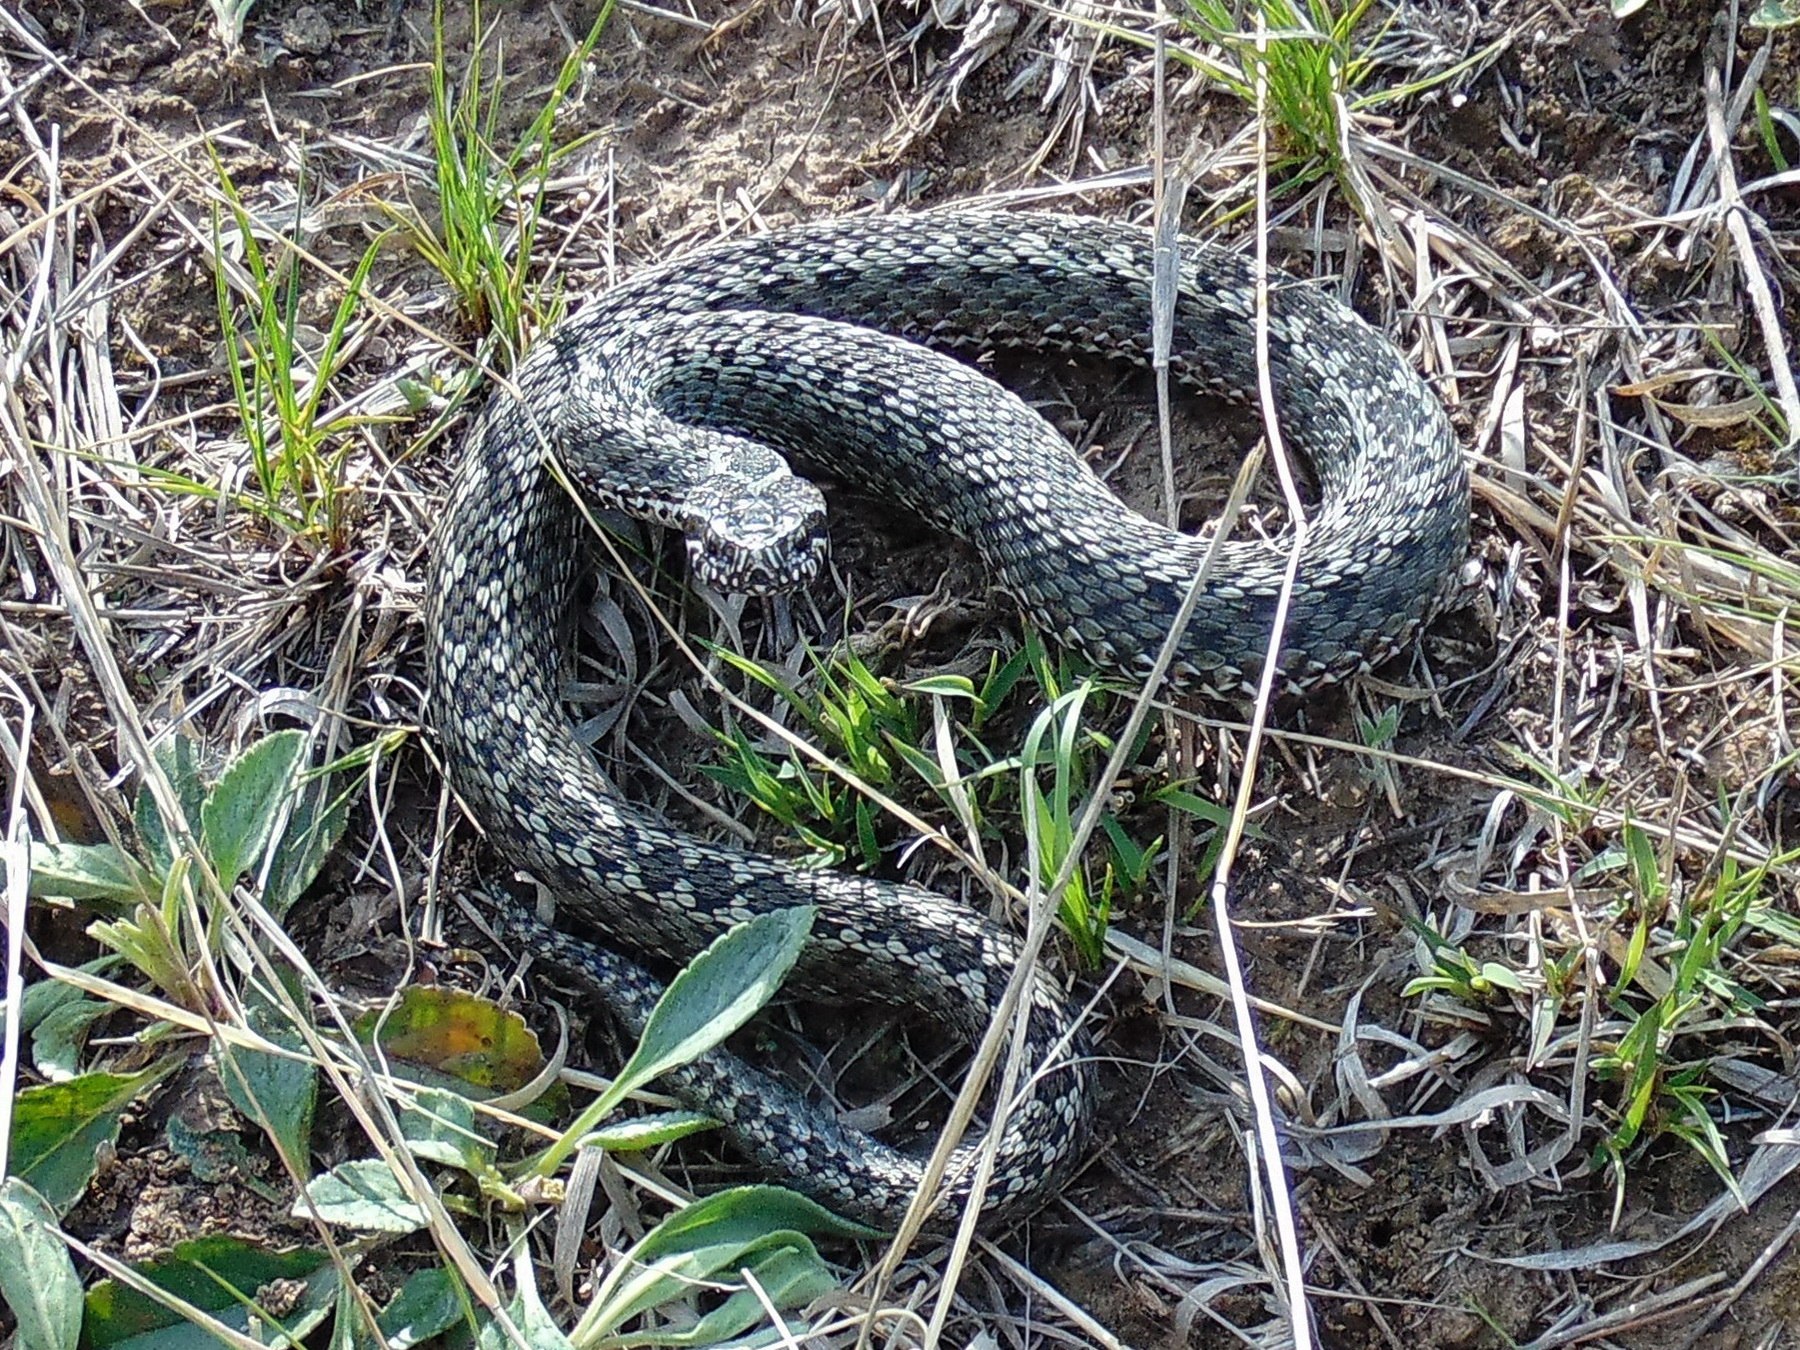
(1549, 163)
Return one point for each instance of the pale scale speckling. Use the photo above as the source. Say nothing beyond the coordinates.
(758, 338)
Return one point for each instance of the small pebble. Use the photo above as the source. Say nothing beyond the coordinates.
(307, 32)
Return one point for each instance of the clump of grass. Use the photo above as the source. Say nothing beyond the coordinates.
(1673, 992)
(935, 743)
(1318, 63)
(281, 371)
(1672, 986)
(1314, 60)
(489, 202)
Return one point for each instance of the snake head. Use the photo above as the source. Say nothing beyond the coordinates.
(762, 536)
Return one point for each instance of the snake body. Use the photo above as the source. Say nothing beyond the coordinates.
(694, 381)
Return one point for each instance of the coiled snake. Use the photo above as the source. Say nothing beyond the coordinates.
(669, 396)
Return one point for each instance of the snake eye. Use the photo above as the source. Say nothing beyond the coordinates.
(755, 538)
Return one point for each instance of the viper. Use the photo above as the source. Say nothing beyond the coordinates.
(691, 393)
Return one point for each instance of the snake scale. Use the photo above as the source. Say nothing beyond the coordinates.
(680, 394)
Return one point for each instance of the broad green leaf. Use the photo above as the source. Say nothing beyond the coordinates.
(440, 1127)
(720, 990)
(646, 1132)
(239, 816)
(787, 1276)
(528, 1314)
(273, 1091)
(59, 1130)
(287, 1332)
(430, 1302)
(37, 1276)
(363, 1194)
(46, 996)
(90, 872)
(180, 760)
(57, 1040)
(717, 993)
(464, 1035)
(1502, 977)
(218, 1274)
(723, 1232)
(313, 832)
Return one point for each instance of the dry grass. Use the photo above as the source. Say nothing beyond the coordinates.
(1540, 819)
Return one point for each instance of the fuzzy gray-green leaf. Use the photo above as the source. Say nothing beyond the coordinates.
(240, 813)
(37, 1277)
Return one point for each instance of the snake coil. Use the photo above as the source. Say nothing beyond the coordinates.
(681, 394)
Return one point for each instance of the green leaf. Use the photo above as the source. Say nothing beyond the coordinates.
(146, 939)
(440, 1127)
(57, 1040)
(787, 1276)
(1502, 977)
(720, 990)
(647, 1132)
(239, 815)
(313, 832)
(347, 1329)
(37, 1276)
(276, 1092)
(723, 1232)
(534, 1323)
(463, 1035)
(179, 757)
(214, 1274)
(430, 1302)
(866, 837)
(943, 686)
(59, 1130)
(1646, 875)
(89, 872)
(46, 996)
(1192, 804)
(363, 1194)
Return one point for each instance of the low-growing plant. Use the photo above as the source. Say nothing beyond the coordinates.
(1462, 976)
(264, 813)
(281, 371)
(229, 16)
(484, 224)
(884, 735)
(1318, 62)
(1671, 987)
(720, 1264)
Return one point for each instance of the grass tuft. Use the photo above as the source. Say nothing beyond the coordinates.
(490, 203)
(1319, 65)
(933, 743)
(281, 370)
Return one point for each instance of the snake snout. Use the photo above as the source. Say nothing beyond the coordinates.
(756, 538)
